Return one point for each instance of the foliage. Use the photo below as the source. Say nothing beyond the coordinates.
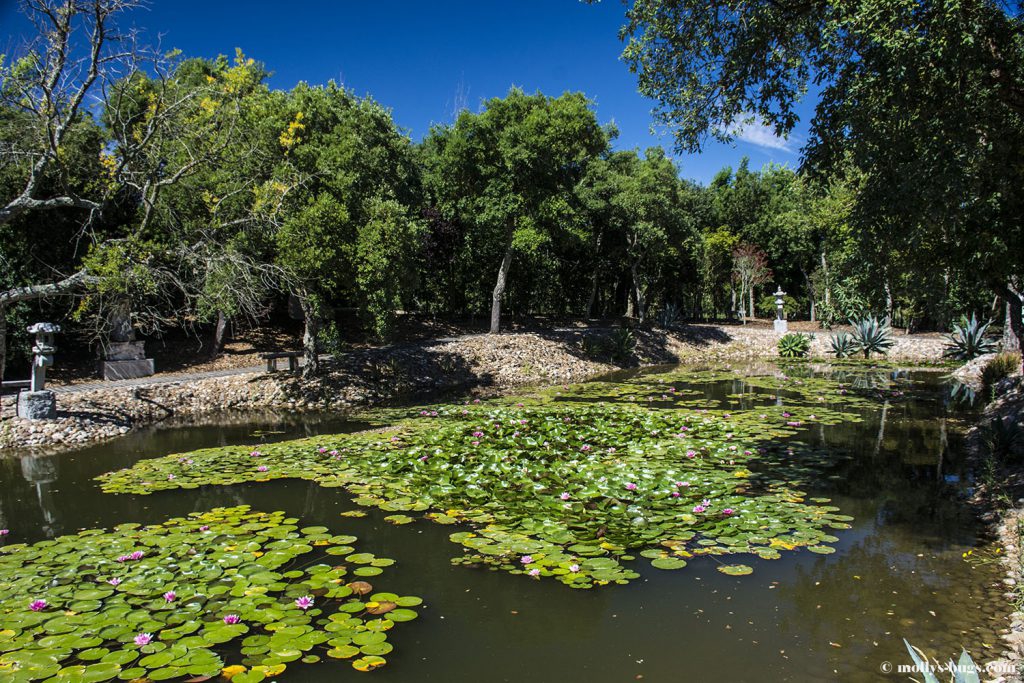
(965, 671)
(160, 601)
(968, 340)
(1002, 365)
(668, 315)
(871, 335)
(843, 345)
(794, 345)
(749, 269)
(766, 306)
(622, 344)
(1003, 439)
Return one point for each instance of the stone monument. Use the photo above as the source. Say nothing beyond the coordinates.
(781, 326)
(124, 357)
(38, 403)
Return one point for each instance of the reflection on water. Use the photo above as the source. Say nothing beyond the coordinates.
(897, 573)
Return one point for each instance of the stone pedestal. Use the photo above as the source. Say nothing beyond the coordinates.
(126, 360)
(781, 326)
(37, 405)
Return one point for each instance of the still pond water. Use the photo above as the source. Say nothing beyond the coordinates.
(897, 573)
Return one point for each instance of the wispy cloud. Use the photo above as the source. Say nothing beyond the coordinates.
(757, 133)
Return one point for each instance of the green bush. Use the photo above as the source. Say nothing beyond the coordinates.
(1002, 365)
(794, 345)
(766, 306)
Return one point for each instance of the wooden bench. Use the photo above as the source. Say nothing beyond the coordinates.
(292, 356)
(15, 385)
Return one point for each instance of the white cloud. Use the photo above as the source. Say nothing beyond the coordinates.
(760, 135)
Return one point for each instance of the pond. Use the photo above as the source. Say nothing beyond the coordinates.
(882, 444)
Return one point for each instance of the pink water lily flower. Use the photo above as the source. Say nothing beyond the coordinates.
(526, 559)
(699, 509)
(170, 596)
(728, 511)
(565, 495)
(205, 527)
(691, 454)
(305, 602)
(170, 477)
(478, 434)
(114, 581)
(137, 555)
(333, 453)
(255, 454)
(37, 605)
(534, 573)
(143, 639)
(322, 449)
(4, 532)
(584, 448)
(630, 486)
(574, 568)
(675, 494)
(232, 619)
(262, 468)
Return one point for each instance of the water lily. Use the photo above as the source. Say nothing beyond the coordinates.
(526, 559)
(565, 495)
(574, 568)
(37, 605)
(255, 454)
(114, 581)
(143, 639)
(333, 453)
(478, 434)
(205, 527)
(170, 477)
(137, 555)
(305, 602)
(584, 448)
(322, 449)
(232, 619)
(534, 573)
(727, 511)
(691, 454)
(170, 596)
(699, 509)
(630, 486)
(4, 532)
(262, 468)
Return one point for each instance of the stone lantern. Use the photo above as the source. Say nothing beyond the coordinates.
(38, 403)
(781, 326)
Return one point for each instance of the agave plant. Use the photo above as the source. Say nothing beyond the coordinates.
(968, 340)
(623, 343)
(871, 335)
(668, 316)
(794, 345)
(964, 671)
(843, 345)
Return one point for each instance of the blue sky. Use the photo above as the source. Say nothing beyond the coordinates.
(424, 59)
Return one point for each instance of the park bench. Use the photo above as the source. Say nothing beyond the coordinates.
(292, 356)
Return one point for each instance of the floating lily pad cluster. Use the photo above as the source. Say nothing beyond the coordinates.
(177, 599)
(556, 487)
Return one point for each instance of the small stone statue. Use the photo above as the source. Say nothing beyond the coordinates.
(781, 326)
(38, 403)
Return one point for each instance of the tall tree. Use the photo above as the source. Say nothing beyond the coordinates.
(509, 171)
(926, 98)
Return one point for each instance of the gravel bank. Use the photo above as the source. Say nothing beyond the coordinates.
(401, 372)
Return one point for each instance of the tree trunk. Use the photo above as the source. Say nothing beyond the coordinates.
(1014, 323)
(3, 341)
(593, 294)
(1010, 340)
(810, 291)
(828, 285)
(753, 311)
(732, 293)
(219, 333)
(637, 293)
(499, 290)
(311, 318)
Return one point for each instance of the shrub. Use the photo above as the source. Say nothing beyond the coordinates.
(623, 343)
(871, 335)
(843, 345)
(794, 345)
(766, 306)
(668, 316)
(1003, 439)
(1002, 365)
(968, 340)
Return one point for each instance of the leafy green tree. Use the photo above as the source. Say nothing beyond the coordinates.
(507, 173)
(925, 98)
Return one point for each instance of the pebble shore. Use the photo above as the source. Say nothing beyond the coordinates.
(374, 376)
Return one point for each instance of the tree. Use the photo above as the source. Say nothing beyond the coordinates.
(925, 98)
(508, 172)
(750, 269)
